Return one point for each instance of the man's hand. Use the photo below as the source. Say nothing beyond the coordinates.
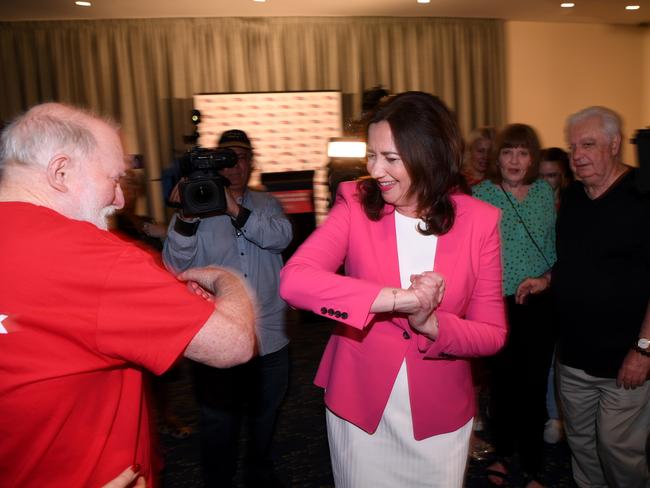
(228, 336)
(213, 282)
(175, 195)
(175, 199)
(232, 207)
(531, 286)
(634, 370)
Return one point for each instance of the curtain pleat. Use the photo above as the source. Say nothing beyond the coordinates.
(144, 72)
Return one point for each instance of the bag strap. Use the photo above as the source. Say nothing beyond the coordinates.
(530, 236)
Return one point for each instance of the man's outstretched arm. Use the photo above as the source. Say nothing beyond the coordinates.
(228, 336)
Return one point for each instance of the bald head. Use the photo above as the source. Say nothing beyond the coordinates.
(64, 158)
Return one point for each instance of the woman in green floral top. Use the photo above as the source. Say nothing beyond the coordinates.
(519, 371)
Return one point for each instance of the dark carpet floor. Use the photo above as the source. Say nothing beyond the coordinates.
(300, 446)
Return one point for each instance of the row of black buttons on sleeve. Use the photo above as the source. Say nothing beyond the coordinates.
(444, 355)
(344, 315)
(334, 313)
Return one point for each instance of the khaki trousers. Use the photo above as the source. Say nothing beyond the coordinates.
(606, 429)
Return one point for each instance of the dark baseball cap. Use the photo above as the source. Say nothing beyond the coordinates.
(235, 138)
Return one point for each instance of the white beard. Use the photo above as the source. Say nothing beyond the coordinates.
(99, 218)
(91, 211)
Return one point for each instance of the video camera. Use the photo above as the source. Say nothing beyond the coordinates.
(202, 189)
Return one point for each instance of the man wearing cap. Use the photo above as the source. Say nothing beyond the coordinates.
(248, 237)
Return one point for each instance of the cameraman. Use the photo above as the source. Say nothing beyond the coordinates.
(249, 237)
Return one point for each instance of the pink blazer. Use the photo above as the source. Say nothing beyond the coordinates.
(365, 352)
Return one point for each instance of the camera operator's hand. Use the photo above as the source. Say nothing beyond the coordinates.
(175, 197)
(232, 207)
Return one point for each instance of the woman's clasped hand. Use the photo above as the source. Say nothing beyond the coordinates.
(429, 289)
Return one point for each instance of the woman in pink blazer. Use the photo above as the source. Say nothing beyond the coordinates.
(420, 296)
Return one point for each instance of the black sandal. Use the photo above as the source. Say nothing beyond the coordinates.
(502, 475)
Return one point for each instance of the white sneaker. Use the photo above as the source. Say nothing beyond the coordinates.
(553, 431)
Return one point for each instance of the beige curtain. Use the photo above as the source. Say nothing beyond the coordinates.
(144, 72)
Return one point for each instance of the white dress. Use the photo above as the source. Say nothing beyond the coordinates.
(391, 457)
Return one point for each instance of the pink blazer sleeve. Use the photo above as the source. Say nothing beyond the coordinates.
(471, 315)
(480, 329)
(359, 369)
(309, 280)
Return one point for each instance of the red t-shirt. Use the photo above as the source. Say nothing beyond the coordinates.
(82, 315)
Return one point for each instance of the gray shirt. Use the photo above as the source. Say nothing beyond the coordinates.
(253, 250)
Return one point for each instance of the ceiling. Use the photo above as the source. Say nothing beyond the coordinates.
(590, 11)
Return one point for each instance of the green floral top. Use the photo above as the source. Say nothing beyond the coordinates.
(521, 258)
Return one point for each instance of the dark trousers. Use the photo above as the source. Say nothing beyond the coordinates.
(253, 391)
(518, 386)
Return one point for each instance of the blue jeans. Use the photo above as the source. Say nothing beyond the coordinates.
(551, 399)
(253, 391)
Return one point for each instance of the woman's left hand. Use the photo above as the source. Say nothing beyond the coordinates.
(429, 288)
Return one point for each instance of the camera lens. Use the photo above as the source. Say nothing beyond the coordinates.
(202, 193)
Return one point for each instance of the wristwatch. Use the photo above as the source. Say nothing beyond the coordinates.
(642, 346)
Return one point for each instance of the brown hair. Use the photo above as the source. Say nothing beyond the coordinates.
(428, 141)
(516, 135)
(559, 156)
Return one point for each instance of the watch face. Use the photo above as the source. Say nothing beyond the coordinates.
(643, 343)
